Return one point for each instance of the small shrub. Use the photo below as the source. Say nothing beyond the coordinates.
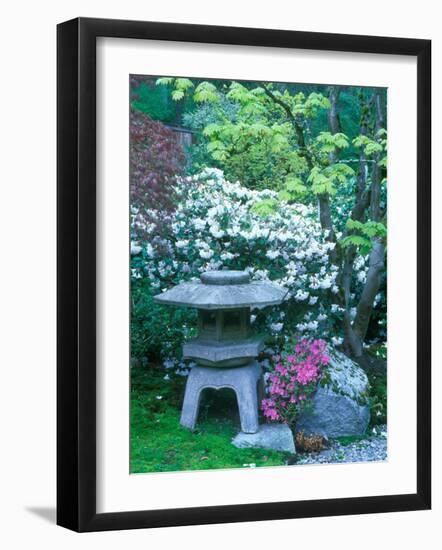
(293, 381)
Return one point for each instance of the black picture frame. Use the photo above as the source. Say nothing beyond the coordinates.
(77, 287)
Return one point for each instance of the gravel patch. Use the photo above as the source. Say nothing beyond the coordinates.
(370, 449)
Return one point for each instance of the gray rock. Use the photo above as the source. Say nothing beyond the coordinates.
(277, 437)
(340, 405)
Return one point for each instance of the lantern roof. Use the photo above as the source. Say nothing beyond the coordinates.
(225, 289)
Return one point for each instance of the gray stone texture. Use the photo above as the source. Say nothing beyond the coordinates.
(220, 293)
(243, 380)
(277, 437)
(340, 407)
(225, 277)
(222, 354)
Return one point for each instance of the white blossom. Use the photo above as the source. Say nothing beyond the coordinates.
(135, 248)
(301, 295)
(206, 254)
(227, 256)
(272, 254)
(215, 225)
(169, 363)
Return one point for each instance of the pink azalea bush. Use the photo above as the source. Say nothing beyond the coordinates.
(293, 381)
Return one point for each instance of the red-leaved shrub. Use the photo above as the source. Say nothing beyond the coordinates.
(156, 159)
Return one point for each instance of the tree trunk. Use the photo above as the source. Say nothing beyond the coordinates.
(334, 121)
(371, 288)
(355, 333)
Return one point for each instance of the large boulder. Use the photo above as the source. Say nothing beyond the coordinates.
(340, 404)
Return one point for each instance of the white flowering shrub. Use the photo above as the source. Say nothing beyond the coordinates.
(215, 226)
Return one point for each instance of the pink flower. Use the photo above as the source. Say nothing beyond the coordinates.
(294, 379)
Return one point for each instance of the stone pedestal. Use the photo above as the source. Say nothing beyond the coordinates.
(243, 380)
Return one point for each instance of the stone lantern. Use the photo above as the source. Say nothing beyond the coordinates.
(226, 348)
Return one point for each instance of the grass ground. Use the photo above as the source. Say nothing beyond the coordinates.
(160, 444)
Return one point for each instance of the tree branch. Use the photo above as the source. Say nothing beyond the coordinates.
(376, 173)
(300, 138)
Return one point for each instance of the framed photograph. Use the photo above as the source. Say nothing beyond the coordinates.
(243, 274)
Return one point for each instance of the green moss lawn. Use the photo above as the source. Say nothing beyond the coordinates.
(160, 444)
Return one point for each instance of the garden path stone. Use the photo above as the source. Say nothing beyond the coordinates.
(277, 437)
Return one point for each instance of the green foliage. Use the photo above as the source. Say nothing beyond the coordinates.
(383, 164)
(165, 81)
(180, 84)
(183, 84)
(339, 173)
(200, 118)
(328, 142)
(177, 95)
(265, 207)
(206, 92)
(370, 229)
(153, 101)
(314, 103)
(379, 351)
(239, 93)
(155, 329)
(365, 232)
(378, 398)
(370, 146)
(349, 439)
(359, 241)
(257, 147)
(293, 189)
(324, 181)
(257, 154)
(321, 184)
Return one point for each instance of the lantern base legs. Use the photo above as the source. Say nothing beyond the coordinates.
(245, 381)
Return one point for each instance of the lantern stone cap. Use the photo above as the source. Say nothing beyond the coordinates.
(226, 277)
(224, 290)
